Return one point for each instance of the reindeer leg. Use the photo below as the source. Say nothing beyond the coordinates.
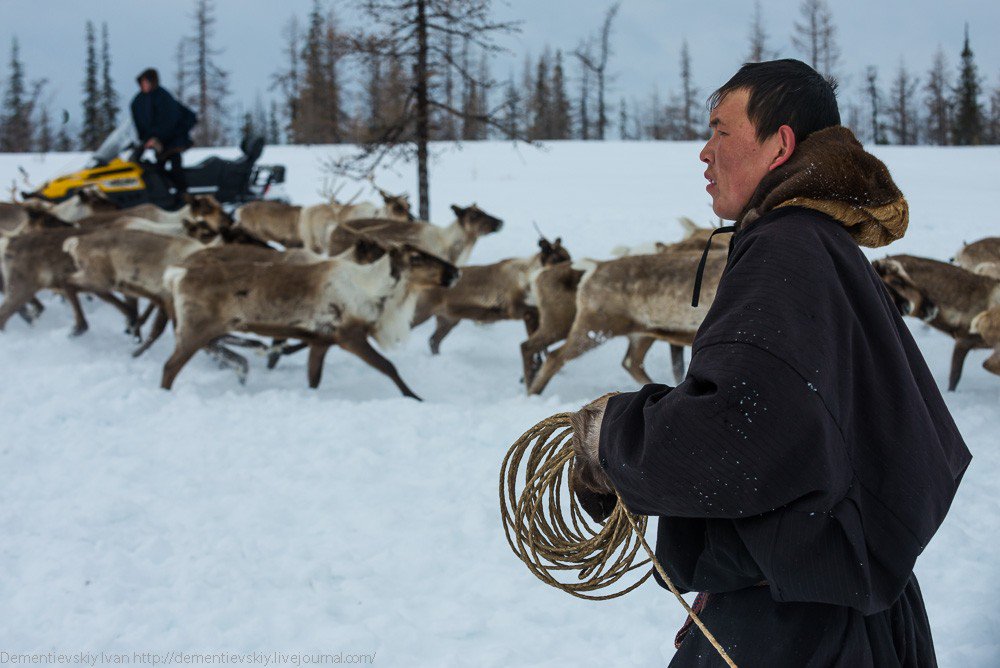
(677, 361)
(992, 363)
(531, 320)
(145, 316)
(577, 343)
(962, 348)
(227, 359)
(243, 342)
(279, 349)
(191, 334)
(317, 354)
(37, 307)
(13, 302)
(80, 321)
(274, 354)
(444, 326)
(532, 351)
(358, 345)
(635, 356)
(159, 325)
(127, 309)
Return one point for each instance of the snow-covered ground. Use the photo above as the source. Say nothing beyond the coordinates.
(271, 517)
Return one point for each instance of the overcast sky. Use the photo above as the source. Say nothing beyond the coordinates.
(647, 38)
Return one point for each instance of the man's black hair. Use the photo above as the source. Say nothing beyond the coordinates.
(784, 92)
(150, 75)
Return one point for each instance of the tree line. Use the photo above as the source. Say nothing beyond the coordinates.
(385, 86)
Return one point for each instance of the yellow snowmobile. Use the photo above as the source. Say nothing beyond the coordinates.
(118, 169)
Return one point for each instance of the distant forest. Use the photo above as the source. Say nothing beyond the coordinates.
(404, 79)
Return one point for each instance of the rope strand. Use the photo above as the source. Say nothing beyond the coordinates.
(550, 539)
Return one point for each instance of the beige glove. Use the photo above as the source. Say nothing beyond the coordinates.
(588, 480)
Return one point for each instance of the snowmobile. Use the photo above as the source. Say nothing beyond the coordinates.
(120, 172)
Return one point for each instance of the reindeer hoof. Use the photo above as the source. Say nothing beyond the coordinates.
(77, 331)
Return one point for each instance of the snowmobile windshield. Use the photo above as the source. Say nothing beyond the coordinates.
(120, 139)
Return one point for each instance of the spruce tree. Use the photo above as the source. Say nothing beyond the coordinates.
(63, 141)
(91, 134)
(968, 127)
(541, 100)
(16, 128)
(561, 112)
(109, 97)
(937, 125)
(44, 141)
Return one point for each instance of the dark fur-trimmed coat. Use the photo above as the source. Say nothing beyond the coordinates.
(809, 447)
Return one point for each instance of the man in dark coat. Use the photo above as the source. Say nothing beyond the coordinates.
(808, 457)
(164, 125)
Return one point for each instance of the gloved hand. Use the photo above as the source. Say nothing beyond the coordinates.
(155, 144)
(588, 480)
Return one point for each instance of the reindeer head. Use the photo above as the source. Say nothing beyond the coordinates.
(199, 230)
(906, 294)
(84, 202)
(552, 252)
(206, 209)
(397, 206)
(475, 221)
(424, 270)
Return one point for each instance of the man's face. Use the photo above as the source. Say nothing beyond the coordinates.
(736, 160)
(145, 86)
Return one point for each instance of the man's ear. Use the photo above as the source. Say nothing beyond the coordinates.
(785, 137)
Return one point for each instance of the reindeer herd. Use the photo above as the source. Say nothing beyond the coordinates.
(280, 278)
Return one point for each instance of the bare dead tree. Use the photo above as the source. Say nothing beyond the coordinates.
(902, 116)
(816, 37)
(414, 32)
(688, 94)
(211, 82)
(288, 79)
(758, 38)
(598, 64)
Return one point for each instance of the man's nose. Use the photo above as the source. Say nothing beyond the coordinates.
(706, 155)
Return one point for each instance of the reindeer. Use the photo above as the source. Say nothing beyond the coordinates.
(644, 297)
(271, 220)
(16, 216)
(987, 326)
(943, 295)
(453, 243)
(35, 261)
(488, 293)
(330, 302)
(981, 257)
(554, 290)
(318, 221)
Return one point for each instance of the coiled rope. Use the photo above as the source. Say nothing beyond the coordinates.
(550, 538)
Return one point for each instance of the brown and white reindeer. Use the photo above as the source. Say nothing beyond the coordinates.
(330, 302)
(555, 288)
(16, 217)
(987, 325)
(644, 297)
(955, 297)
(35, 260)
(453, 243)
(489, 293)
(318, 221)
(981, 257)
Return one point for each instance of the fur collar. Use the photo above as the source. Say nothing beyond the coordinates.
(831, 172)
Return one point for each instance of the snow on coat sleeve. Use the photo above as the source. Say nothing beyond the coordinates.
(742, 435)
